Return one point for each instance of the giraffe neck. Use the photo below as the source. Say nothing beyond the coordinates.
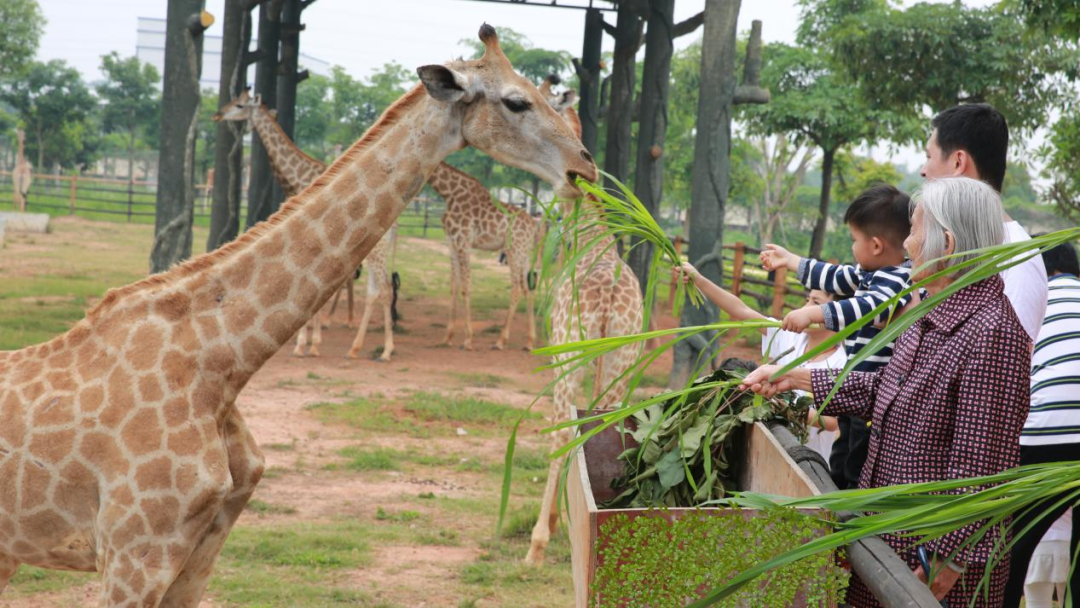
(234, 308)
(21, 158)
(293, 169)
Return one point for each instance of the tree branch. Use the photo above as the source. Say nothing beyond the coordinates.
(685, 27)
(608, 28)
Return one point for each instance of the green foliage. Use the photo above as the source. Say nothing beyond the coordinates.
(55, 106)
(658, 560)
(354, 104)
(436, 407)
(687, 448)
(529, 61)
(313, 122)
(132, 102)
(938, 55)
(854, 174)
(1060, 17)
(206, 134)
(22, 24)
(1062, 158)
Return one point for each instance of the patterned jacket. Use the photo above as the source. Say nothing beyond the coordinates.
(950, 404)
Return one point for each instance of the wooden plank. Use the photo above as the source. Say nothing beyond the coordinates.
(581, 514)
(769, 469)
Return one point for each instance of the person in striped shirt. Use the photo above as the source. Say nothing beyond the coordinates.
(879, 221)
(1052, 430)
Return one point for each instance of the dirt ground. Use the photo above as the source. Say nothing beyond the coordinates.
(308, 483)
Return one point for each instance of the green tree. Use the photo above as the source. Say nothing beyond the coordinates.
(1061, 17)
(206, 134)
(356, 105)
(55, 105)
(313, 115)
(132, 102)
(1062, 158)
(22, 23)
(939, 55)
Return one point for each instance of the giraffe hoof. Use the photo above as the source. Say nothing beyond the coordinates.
(467, 346)
(299, 354)
(528, 348)
(314, 353)
(535, 558)
(350, 355)
(498, 346)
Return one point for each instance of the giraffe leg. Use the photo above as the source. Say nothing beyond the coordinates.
(301, 340)
(529, 301)
(455, 286)
(351, 289)
(246, 464)
(8, 566)
(358, 341)
(388, 329)
(465, 278)
(548, 521)
(515, 298)
(316, 337)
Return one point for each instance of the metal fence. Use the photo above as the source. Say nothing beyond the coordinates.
(135, 201)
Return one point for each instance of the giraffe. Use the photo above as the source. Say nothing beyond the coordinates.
(608, 303)
(474, 220)
(296, 170)
(121, 449)
(22, 175)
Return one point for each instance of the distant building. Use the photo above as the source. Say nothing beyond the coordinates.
(150, 47)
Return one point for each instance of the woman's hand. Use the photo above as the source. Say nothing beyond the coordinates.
(758, 381)
(686, 272)
(943, 582)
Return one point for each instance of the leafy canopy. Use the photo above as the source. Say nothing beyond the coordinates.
(22, 23)
(132, 101)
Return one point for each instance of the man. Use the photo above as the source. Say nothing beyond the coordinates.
(972, 140)
(1052, 430)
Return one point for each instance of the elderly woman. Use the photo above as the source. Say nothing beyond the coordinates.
(954, 398)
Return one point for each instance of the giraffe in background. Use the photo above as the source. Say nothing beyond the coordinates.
(22, 175)
(122, 451)
(295, 170)
(608, 303)
(474, 220)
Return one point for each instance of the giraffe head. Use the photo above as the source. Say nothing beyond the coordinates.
(241, 108)
(562, 103)
(506, 116)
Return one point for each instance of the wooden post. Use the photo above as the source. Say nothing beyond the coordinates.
(71, 200)
(588, 71)
(779, 291)
(425, 216)
(619, 107)
(737, 268)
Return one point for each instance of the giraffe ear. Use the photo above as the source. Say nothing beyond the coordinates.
(564, 101)
(445, 84)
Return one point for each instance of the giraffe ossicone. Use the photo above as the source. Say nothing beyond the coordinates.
(121, 447)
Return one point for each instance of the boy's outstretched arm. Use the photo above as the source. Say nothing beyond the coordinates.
(840, 279)
(885, 283)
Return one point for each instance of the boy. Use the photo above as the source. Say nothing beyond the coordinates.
(879, 221)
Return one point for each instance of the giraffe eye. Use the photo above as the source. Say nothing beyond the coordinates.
(516, 104)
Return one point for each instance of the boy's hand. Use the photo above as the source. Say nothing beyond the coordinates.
(776, 256)
(797, 320)
(686, 272)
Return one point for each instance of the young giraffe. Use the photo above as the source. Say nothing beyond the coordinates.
(121, 449)
(22, 175)
(473, 220)
(295, 170)
(608, 303)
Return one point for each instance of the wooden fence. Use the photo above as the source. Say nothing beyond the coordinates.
(110, 199)
(777, 291)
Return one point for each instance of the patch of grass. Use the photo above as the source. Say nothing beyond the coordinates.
(437, 407)
(478, 574)
(373, 414)
(30, 580)
(275, 472)
(399, 517)
(379, 459)
(281, 447)
(520, 522)
(479, 380)
(264, 508)
(426, 495)
(325, 546)
(440, 538)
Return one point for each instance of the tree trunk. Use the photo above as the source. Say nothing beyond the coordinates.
(817, 243)
(621, 100)
(710, 180)
(261, 182)
(589, 75)
(179, 121)
(229, 143)
(652, 123)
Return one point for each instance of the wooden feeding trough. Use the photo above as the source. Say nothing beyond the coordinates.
(768, 468)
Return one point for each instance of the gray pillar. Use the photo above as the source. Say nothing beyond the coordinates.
(620, 103)
(261, 199)
(229, 153)
(589, 75)
(652, 121)
(180, 96)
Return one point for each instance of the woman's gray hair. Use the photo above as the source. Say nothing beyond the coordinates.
(968, 209)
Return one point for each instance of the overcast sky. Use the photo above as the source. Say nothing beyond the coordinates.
(361, 35)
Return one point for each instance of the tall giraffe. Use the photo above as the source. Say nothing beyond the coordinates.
(121, 449)
(474, 220)
(608, 303)
(22, 175)
(296, 170)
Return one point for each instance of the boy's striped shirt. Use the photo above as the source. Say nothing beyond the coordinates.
(1054, 416)
(863, 292)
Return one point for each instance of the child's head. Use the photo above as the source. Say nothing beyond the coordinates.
(817, 297)
(879, 221)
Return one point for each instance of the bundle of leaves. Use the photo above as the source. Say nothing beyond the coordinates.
(658, 560)
(687, 450)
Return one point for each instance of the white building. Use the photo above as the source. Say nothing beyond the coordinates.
(150, 47)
